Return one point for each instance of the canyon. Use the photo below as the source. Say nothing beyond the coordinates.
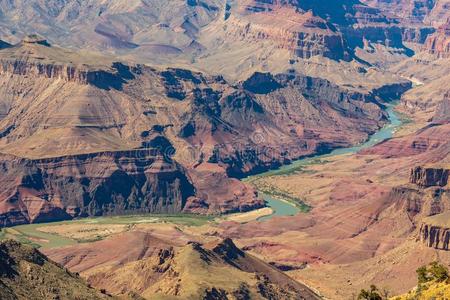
(141, 140)
(110, 115)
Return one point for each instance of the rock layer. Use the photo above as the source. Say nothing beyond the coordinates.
(435, 236)
(91, 185)
(85, 136)
(426, 177)
(439, 43)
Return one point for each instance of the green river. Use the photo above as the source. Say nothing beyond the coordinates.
(286, 208)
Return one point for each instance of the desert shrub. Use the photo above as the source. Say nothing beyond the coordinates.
(372, 294)
(433, 272)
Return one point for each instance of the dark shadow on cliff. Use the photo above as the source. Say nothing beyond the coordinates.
(108, 80)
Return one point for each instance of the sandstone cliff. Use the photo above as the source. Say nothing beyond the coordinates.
(438, 43)
(426, 177)
(426, 199)
(73, 127)
(413, 11)
(435, 236)
(303, 34)
(138, 181)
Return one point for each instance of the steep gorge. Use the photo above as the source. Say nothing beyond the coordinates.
(73, 127)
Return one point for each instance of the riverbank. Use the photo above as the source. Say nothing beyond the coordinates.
(282, 202)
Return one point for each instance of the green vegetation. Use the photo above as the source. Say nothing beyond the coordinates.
(372, 294)
(281, 195)
(7, 233)
(30, 234)
(180, 219)
(298, 169)
(433, 272)
(299, 166)
(433, 283)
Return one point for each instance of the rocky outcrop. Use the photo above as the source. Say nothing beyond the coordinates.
(248, 157)
(139, 181)
(26, 271)
(426, 177)
(435, 236)
(61, 132)
(391, 92)
(438, 43)
(409, 11)
(442, 114)
(112, 183)
(332, 29)
(106, 78)
(311, 36)
(65, 72)
(416, 34)
(213, 270)
(428, 139)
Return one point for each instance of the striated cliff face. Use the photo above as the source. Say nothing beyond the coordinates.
(60, 64)
(413, 11)
(84, 136)
(301, 33)
(439, 43)
(110, 183)
(426, 201)
(416, 34)
(138, 181)
(434, 229)
(412, 16)
(435, 236)
(426, 177)
(333, 29)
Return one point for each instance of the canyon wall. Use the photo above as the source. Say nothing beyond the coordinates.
(438, 43)
(435, 236)
(426, 177)
(87, 136)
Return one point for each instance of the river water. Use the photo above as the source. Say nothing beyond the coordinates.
(285, 208)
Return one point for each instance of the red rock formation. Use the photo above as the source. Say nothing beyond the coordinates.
(75, 132)
(439, 43)
(426, 177)
(435, 236)
(302, 33)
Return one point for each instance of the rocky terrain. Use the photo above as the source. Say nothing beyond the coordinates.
(180, 270)
(157, 110)
(433, 12)
(439, 43)
(66, 117)
(231, 38)
(28, 274)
